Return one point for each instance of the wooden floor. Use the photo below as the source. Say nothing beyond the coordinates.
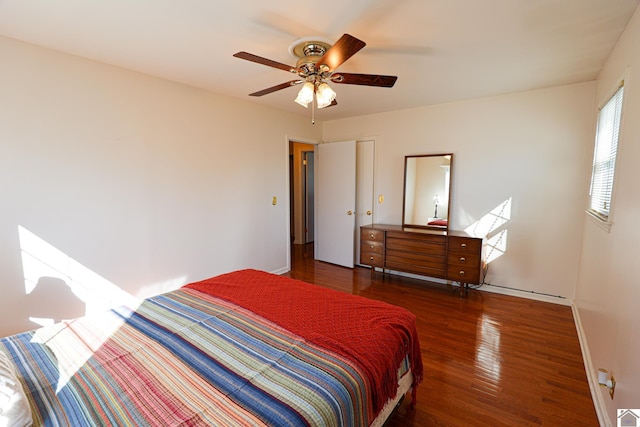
(490, 359)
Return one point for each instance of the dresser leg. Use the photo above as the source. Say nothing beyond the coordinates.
(463, 289)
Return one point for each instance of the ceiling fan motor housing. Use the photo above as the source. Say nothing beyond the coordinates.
(309, 52)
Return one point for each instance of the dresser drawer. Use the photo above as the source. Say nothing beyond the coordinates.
(464, 274)
(463, 245)
(416, 258)
(416, 236)
(432, 269)
(370, 234)
(414, 242)
(470, 260)
(372, 259)
(372, 246)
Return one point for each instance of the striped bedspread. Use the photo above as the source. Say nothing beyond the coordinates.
(184, 358)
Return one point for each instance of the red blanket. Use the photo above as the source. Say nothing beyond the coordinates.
(373, 334)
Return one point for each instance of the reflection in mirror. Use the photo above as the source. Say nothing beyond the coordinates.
(426, 191)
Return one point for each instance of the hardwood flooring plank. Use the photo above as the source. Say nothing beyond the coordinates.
(490, 359)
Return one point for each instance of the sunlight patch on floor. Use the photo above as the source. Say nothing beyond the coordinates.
(488, 354)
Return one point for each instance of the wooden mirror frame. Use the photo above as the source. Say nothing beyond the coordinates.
(432, 189)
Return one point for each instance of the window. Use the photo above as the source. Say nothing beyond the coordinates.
(604, 156)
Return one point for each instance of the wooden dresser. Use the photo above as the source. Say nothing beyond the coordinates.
(450, 255)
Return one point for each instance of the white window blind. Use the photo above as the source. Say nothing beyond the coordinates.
(604, 156)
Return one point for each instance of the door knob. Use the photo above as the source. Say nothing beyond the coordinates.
(350, 212)
(368, 212)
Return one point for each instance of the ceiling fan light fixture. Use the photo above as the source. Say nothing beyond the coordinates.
(305, 96)
(324, 95)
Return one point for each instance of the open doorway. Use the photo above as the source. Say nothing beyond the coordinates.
(303, 166)
(301, 188)
(309, 195)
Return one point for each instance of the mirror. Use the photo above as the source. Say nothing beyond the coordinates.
(426, 198)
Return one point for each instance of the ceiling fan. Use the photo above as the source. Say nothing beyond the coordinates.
(316, 66)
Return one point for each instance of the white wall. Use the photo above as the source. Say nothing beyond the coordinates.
(608, 291)
(531, 148)
(121, 181)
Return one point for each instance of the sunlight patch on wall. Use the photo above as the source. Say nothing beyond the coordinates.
(53, 274)
(43, 262)
(496, 246)
(489, 224)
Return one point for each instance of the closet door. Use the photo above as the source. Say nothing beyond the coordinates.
(335, 165)
(365, 155)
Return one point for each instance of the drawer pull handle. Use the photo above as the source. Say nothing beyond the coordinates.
(463, 245)
(462, 259)
(371, 246)
(371, 258)
(371, 235)
(461, 273)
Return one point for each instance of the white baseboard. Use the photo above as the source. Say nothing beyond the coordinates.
(281, 270)
(525, 294)
(596, 392)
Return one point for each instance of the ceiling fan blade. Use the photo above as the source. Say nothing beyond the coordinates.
(343, 49)
(264, 61)
(364, 79)
(276, 88)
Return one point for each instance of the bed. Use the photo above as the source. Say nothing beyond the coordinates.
(243, 348)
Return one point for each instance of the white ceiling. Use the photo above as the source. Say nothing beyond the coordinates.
(441, 50)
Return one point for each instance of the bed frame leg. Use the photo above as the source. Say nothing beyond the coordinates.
(405, 403)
